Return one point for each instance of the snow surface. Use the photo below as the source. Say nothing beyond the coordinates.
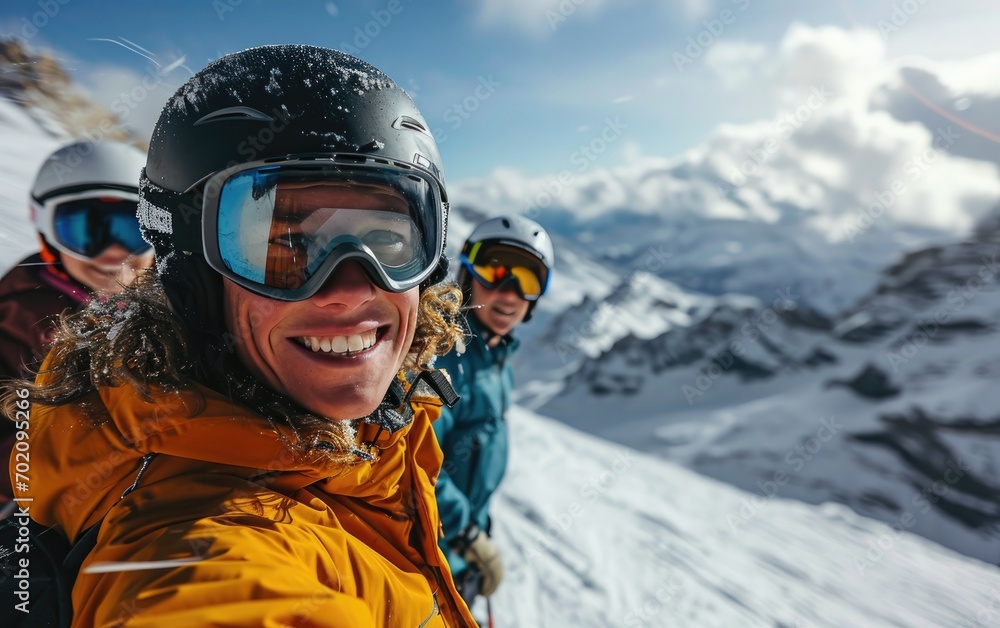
(25, 147)
(595, 534)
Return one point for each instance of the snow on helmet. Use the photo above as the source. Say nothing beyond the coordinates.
(256, 112)
(516, 232)
(84, 184)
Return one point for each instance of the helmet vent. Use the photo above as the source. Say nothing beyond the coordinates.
(506, 223)
(411, 124)
(235, 113)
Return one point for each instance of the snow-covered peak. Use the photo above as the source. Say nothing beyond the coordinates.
(907, 376)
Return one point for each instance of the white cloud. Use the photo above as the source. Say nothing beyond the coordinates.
(536, 17)
(540, 18)
(735, 63)
(694, 9)
(845, 62)
(829, 153)
(332, 9)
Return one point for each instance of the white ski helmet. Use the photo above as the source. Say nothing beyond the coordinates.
(513, 231)
(106, 170)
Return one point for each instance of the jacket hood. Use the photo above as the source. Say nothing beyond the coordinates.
(86, 454)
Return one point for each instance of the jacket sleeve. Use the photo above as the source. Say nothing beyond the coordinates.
(262, 595)
(231, 570)
(453, 506)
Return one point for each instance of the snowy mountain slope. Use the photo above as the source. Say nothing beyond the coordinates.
(595, 534)
(729, 335)
(25, 147)
(642, 306)
(905, 382)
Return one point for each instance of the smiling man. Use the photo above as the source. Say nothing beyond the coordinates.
(265, 455)
(506, 266)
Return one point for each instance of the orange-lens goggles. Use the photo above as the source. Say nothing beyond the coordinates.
(493, 275)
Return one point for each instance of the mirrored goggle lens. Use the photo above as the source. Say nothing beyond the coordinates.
(528, 283)
(279, 225)
(88, 226)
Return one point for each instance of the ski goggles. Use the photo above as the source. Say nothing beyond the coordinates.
(498, 266)
(281, 229)
(85, 224)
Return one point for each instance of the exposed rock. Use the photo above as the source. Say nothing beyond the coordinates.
(38, 83)
(871, 383)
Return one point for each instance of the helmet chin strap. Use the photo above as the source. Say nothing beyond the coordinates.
(395, 411)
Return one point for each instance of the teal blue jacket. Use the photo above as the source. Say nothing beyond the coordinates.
(473, 435)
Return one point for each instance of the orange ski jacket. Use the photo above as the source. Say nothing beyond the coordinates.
(229, 527)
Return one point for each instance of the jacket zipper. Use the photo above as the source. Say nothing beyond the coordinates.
(434, 611)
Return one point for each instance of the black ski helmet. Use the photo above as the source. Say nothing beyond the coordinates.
(273, 102)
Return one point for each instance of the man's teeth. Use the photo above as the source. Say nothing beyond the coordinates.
(340, 344)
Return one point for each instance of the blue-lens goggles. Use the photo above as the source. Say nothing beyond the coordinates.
(282, 229)
(88, 226)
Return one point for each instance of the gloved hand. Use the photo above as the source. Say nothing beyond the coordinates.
(482, 555)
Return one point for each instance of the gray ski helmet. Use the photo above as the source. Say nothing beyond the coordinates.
(516, 231)
(77, 169)
(270, 103)
(89, 165)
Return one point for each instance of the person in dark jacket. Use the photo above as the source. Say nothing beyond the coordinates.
(506, 266)
(83, 204)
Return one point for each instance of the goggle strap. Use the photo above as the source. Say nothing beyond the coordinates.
(88, 187)
(472, 252)
(152, 217)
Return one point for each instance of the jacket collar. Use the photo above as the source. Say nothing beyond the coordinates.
(196, 432)
(508, 344)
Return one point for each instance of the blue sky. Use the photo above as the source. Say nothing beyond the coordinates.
(551, 75)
